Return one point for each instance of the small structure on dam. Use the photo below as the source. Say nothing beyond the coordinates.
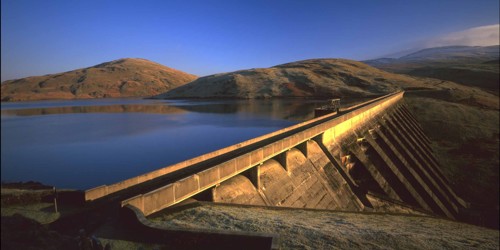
(372, 157)
(332, 106)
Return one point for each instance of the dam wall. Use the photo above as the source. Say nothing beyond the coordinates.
(370, 157)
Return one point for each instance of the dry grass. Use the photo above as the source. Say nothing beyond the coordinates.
(307, 229)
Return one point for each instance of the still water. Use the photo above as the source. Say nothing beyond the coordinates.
(86, 143)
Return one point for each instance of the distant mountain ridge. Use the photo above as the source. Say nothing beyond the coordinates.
(470, 65)
(450, 53)
(454, 53)
(128, 77)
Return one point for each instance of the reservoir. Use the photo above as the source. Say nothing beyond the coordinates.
(81, 144)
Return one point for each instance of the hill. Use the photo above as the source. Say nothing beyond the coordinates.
(309, 78)
(469, 65)
(321, 78)
(120, 78)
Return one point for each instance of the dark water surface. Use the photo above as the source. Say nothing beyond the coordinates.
(82, 144)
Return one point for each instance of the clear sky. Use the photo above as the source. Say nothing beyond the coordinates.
(206, 37)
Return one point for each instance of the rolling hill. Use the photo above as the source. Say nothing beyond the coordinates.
(309, 78)
(120, 78)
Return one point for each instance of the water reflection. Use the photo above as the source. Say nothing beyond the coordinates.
(287, 109)
(296, 110)
(128, 108)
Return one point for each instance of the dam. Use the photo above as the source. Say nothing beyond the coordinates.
(371, 157)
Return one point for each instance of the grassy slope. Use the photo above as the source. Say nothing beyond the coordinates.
(466, 142)
(486, 79)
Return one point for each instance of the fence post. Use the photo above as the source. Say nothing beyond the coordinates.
(55, 198)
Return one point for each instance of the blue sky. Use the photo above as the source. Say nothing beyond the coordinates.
(207, 37)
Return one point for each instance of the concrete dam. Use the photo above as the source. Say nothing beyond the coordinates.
(370, 157)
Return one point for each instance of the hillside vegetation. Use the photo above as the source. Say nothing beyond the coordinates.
(120, 78)
(309, 78)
